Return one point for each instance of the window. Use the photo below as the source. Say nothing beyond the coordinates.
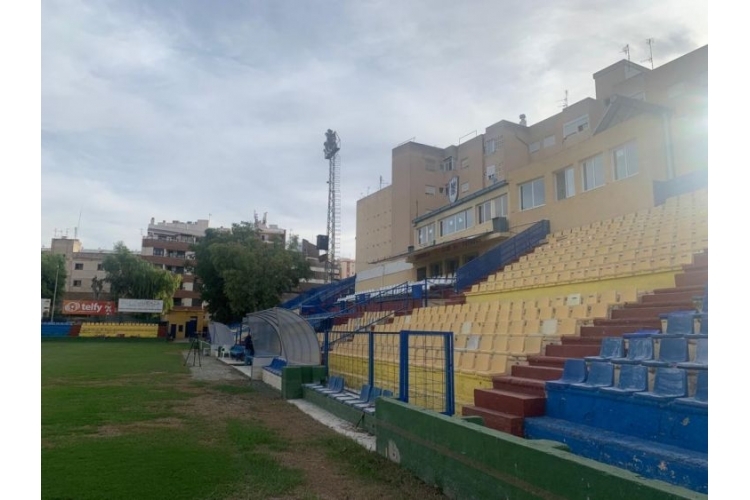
(79, 266)
(457, 222)
(426, 234)
(421, 273)
(465, 163)
(77, 283)
(483, 212)
(159, 252)
(534, 147)
(565, 183)
(447, 164)
(430, 190)
(532, 194)
(625, 160)
(500, 205)
(100, 267)
(548, 141)
(491, 172)
(464, 187)
(574, 126)
(490, 146)
(593, 172)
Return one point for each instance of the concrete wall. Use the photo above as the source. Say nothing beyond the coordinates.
(469, 461)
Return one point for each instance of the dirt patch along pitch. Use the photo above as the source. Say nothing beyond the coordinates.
(333, 466)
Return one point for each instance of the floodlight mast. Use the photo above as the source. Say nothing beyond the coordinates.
(331, 153)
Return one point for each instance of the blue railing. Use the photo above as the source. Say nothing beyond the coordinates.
(324, 321)
(503, 254)
(321, 294)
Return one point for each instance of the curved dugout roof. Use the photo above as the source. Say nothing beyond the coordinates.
(280, 332)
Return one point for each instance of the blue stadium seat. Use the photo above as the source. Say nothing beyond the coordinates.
(574, 372)
(348, 398)
(374, 394)
(639, 349)
(335, 386)
(701, 357)
(633, 378)
(600, 374)
(669, 383)
(680, 322)
(701, 392)
(612, 347)
(672, 350)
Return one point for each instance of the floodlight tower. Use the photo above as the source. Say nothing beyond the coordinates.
(330, 151)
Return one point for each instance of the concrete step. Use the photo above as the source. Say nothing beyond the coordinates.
(522, 385)
(546, 361)
(651, 311)
(599, 331)
(503, 422)
(664, 298)
(512, 403)
(692, 279)
(629, 322)
(534, 372)
(568, 340)
(696, 289)
(572, 351)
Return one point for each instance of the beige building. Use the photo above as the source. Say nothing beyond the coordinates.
(81, 266)
(347, 267)
(446, 206)
(167, 245)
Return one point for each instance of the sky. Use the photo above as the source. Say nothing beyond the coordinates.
(217, 110)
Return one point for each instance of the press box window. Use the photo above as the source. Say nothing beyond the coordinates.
(79, 266)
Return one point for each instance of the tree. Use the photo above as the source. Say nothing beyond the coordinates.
(53, 267)
(131, 277)
(239, 273)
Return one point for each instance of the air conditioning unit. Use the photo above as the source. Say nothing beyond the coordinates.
(500, 225)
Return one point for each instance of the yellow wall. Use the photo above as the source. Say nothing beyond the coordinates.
(118, 329)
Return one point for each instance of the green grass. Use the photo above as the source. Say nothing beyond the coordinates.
(102, 437)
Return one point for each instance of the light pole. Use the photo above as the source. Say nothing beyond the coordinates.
(54, 295)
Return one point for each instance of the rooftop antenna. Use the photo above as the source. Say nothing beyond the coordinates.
(650, 42)
(626, 50)
(564, 101)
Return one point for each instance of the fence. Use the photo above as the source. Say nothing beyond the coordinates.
(415, 365)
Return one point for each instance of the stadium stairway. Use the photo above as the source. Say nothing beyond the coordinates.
(522, 393)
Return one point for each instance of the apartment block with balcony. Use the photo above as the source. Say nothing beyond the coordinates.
(167, 245)
(446, 206)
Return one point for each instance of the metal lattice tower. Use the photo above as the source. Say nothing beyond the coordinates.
(330, 152)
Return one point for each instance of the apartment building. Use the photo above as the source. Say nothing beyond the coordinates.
(445, 206)
(81, 267)
(167, 245)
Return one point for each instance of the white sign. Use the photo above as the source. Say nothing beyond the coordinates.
(140, 305)
(46, 304)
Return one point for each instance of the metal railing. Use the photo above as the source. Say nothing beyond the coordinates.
(503, 254)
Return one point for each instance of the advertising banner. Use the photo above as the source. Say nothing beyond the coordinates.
(88, 307)
(140, 305)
